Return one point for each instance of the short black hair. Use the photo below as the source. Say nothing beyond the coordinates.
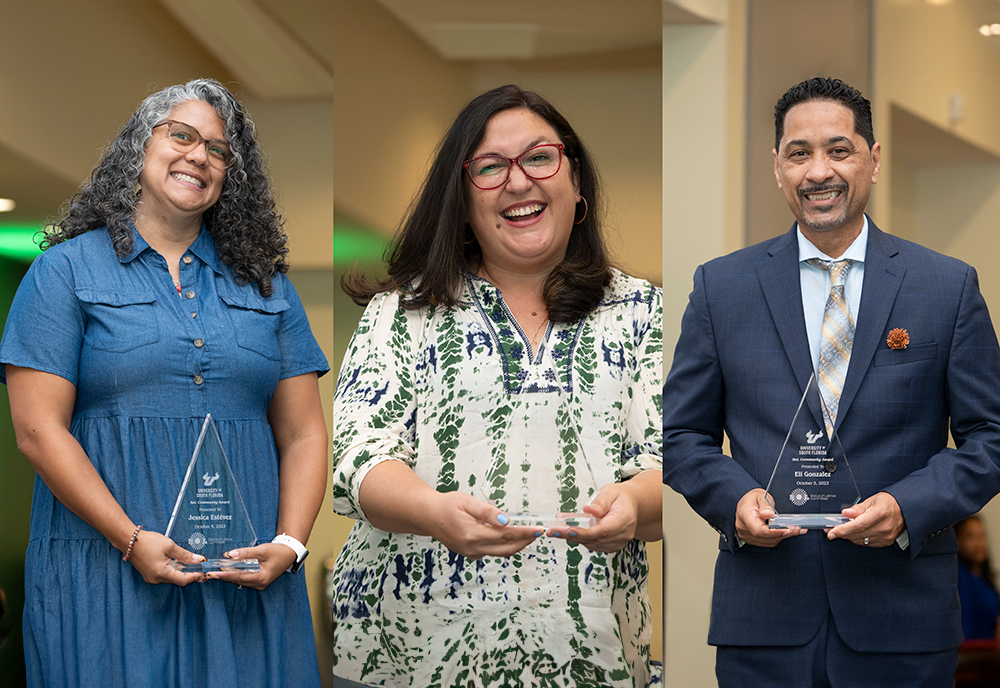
(823, 88)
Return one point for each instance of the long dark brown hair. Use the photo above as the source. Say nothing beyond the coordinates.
(434, 244)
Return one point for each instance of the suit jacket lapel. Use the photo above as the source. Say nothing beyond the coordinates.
(779, 280)
(883, 276)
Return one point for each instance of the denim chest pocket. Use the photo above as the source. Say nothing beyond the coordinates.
(119, 322)
(256, 322)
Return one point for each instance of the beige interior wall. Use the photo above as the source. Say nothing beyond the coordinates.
(930, 58)
(955, 210)
(790, 41)
(703, 144)
(929, 52)
(298, 141)
(66, 88)
(941, 183)
(395, 98)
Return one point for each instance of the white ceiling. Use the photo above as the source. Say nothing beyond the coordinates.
(529, 29)
(272, 47)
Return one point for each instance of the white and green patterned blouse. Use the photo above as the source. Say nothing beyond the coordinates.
(458, 395)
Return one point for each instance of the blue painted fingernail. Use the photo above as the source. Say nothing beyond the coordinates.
(502, 518)
(537, 533)
(572, 534)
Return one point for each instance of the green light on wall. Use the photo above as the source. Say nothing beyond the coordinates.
(19, 242)
(354, 244)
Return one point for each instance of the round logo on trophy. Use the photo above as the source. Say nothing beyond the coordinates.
(197, 541)
(798, 497)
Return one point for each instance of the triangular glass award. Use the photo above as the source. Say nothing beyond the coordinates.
(209, 517)
(540, 475)
(812, 480)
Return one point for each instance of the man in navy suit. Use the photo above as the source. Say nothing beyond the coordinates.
(871, 602)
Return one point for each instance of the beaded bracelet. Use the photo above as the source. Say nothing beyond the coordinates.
(131, 542)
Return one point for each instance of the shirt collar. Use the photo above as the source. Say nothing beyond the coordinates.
(856, 251)
(203, 247)
(138, 245)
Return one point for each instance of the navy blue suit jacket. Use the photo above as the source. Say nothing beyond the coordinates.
(741, 365)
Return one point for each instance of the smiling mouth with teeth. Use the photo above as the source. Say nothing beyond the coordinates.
(524, 212)
(823, 196)
(188, 178)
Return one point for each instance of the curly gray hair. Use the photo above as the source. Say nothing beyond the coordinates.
(244, 225)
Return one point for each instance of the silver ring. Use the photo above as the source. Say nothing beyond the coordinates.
(866, 542)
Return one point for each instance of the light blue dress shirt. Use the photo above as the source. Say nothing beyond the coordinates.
(815, 284)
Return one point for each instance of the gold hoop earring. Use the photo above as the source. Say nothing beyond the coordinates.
(138, 189)
(586, 209)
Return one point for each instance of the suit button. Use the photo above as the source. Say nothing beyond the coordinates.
(198, 379)
(199, 342)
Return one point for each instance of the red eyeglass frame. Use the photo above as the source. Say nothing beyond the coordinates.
(510, 164)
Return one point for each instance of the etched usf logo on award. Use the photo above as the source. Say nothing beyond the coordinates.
(209, 517)
(540, 475)
(812, 480)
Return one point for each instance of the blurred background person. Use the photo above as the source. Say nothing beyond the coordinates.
(977, 587)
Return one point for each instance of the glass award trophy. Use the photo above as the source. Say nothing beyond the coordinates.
(540, 475)
(209, 517)
(812, 481)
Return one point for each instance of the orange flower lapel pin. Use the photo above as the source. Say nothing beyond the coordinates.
(898, 338)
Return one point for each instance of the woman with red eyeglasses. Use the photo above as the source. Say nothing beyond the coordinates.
(161, 297)
(504, 374)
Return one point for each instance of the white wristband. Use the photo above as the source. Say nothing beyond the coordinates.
(296, 546)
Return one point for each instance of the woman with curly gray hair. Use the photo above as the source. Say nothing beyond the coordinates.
(161, 297)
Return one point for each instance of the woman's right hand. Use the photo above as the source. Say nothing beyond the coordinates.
(394, 499)
(151, 555)
(474, 528)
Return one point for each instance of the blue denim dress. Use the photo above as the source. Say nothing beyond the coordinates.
(148, 364)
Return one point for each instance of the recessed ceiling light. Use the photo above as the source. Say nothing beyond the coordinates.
(6, 205)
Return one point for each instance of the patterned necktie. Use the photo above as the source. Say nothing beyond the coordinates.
(838, 338)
